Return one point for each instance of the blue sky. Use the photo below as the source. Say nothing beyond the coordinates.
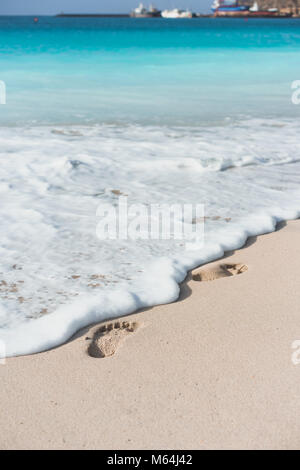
(51, 7)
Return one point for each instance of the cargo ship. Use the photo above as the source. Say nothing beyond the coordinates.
(229, 8)
(232, 8)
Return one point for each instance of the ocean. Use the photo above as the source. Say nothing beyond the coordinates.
(157, 111)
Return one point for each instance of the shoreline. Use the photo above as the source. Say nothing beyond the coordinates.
(162, 280)
(214, 367)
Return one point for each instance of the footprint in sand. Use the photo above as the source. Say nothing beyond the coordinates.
(107, 338)
(221, 270)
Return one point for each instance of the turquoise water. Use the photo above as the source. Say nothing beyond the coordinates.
(149, 71)
(160, 111)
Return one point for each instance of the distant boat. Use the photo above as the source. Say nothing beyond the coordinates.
(176, 13)
(232, 8)
(228, 6)
(142, 12)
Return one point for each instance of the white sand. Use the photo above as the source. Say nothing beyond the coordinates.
(213, 370)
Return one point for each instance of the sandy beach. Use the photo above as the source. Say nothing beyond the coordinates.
(215, 374)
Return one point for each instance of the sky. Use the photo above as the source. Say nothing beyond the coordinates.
(52, 7)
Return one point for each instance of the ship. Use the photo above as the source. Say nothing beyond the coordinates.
(232, 8)
(143, 12)
(229, 8)
(176, 13)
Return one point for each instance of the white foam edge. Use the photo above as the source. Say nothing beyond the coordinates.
(159, 285)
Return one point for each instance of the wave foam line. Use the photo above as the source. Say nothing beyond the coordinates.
(159, 285)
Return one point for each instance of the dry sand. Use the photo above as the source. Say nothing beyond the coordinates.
(212, 371)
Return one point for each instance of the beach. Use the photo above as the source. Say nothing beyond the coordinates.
(212, 371)
(149, 291)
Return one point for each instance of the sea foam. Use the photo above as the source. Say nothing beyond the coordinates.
(56, 276)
